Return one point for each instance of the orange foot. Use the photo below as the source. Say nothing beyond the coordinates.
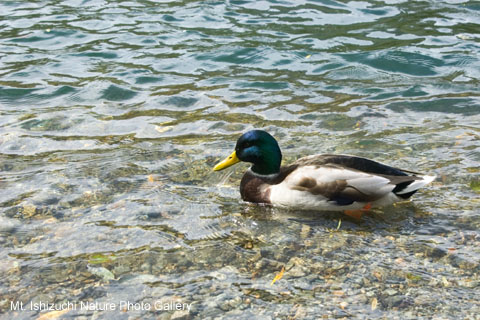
(357, 214)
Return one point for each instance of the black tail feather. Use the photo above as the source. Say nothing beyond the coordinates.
(401, 186)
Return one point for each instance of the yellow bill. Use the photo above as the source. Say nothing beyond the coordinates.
(229, 161)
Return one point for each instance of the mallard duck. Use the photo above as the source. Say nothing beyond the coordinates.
(320, 182)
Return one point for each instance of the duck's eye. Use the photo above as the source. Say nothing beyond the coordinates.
(247, 145)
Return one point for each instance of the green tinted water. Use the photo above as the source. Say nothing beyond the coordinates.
(112, 114)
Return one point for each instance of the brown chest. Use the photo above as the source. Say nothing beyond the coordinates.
(254, 189)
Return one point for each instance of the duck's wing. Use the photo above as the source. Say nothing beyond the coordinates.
(346, 179)
(353, 162)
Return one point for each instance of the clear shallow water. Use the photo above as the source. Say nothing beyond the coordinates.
(113, 113)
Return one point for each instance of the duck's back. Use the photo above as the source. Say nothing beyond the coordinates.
(341, 182)
(351, 162)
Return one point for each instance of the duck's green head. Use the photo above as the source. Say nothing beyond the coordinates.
(257, 147)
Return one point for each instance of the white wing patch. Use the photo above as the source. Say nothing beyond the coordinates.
(372, 185)
(285, 194)
(322, 174)
(364, 182)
